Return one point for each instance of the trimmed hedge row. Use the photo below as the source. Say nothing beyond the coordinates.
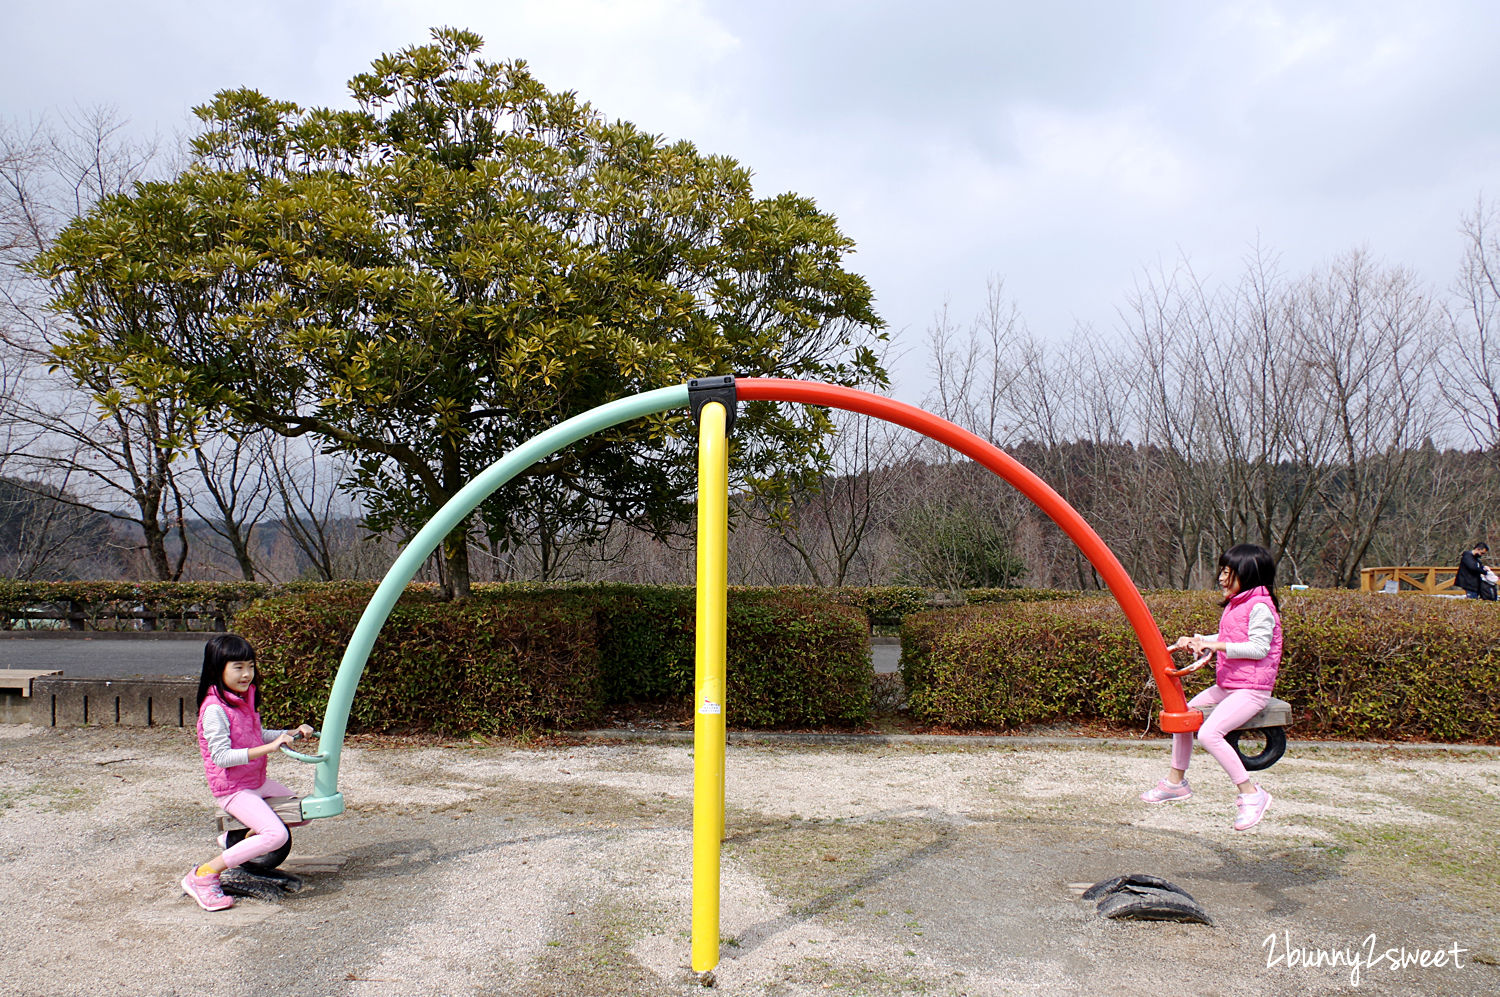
(176, 603)
(448, 668)
(974, 597)
(108, 606)
(121, 605)
(1354, 665)
(515, 658)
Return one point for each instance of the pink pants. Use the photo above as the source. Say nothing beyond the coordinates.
(1232, 707)
(249, 807)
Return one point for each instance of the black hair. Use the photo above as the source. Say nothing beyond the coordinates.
(218, 652)
(1481, 545)
(1252, 565)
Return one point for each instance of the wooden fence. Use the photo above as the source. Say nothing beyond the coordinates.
(1431, 579)
(73, 614)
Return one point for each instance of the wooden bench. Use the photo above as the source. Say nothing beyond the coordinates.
(19, 679)
(15, 692)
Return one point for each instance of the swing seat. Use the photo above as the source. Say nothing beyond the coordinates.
(288, 808)
(1277, 713)
(1270, 723)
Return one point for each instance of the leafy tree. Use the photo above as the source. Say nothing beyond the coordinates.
(78, 438)
(461, 261)
(954, 532)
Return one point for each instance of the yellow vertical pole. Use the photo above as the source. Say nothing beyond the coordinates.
(708, 686)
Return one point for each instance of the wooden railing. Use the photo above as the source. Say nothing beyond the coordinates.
(1431, 579)
(126, 606)
(71, 614)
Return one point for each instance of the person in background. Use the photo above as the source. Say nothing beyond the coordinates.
(1471, 572)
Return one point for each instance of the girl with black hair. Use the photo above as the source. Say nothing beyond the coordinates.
(234, 748)
(1248, 649)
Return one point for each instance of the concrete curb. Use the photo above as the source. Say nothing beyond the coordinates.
(161, 701)
(57, 700)
(991, 740)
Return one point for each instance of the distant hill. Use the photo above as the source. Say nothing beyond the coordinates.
(44, 535)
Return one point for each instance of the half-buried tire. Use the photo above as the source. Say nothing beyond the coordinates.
(1139, 897)
(1148, 903)
(1105, 887)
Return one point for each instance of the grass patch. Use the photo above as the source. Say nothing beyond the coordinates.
(857, 979)
(49, 797)
(1457, 855)
(592, 956)
(819, 866)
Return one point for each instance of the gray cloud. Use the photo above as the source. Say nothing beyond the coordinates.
(1063, 146)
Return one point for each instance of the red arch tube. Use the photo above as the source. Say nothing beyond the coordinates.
(1175, 716)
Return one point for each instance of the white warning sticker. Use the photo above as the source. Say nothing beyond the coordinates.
(710, 707)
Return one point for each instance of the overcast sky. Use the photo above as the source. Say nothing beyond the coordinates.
(1065, 147)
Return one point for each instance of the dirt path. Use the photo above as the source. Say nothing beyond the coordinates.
(470, 869)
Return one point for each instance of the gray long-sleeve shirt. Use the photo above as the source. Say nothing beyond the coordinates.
(1257, 642)
(216, 733)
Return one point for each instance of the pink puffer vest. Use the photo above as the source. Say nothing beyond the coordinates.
(244, 732)
(1234, 628)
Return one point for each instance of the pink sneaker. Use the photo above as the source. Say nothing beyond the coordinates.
(1252, 807)
(1164, 791)
(206, 890)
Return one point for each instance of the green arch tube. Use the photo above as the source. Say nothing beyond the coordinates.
(326, 800)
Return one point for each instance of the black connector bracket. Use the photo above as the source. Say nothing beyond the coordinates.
(702, 390)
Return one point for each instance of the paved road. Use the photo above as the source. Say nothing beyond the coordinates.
(102, 656)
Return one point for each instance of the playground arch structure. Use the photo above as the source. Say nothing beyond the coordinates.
(712, 402)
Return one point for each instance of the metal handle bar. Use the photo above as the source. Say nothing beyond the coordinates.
(321, 756)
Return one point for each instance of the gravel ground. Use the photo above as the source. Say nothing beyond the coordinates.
(514, 869)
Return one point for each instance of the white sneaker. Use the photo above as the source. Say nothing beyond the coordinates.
(1164, 791)
(1252, 807)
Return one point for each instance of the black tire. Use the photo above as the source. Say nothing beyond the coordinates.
(266, 862)
(1147, 903)
(1270, 755)
(1105, 887)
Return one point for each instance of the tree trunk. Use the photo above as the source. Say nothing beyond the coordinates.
(156, 549)
(148, 501)
(456, 559)
(457, 583)
(242, 555)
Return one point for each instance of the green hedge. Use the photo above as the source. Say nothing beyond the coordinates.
(519, 657)
(1354, 665)
(175, 606)
(125, 605)
(881, 604)
(205, 605)
(796, 662)
(974, 597)
(484, 666)
(645, 641)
